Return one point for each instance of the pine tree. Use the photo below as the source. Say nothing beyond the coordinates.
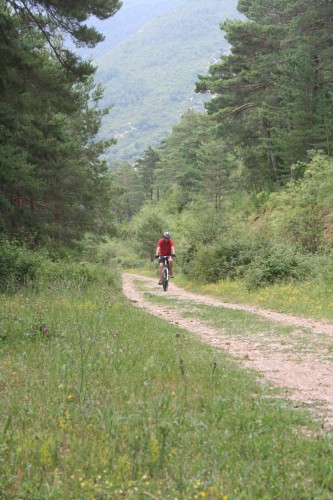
(273, 93)
(52, 180)
(53, 18)
(146, 168)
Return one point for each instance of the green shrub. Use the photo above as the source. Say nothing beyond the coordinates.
(189, 256)
(73, 273)
(205, 267)
(18, 265)
(260, 263)
(117, 254)
(234, 256)
(223, 259)
(301, 212)
(277, 262)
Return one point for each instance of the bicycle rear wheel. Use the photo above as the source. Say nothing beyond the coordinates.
(165, 279)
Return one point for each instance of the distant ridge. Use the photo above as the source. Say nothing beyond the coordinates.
(149, 72)
(128, 20)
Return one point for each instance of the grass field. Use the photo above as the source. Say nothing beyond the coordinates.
(310, 299)
(101, 400)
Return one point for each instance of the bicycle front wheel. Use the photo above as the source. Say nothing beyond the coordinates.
(165, 279)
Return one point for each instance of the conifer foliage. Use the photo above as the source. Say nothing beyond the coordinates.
(273, 93)
(52, 182)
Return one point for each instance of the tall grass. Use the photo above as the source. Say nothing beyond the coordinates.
(312, 299)
(101, 400)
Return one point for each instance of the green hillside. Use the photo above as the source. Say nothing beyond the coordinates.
(127, 21)
(150, 78)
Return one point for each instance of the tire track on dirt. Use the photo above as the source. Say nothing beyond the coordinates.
(304, 377)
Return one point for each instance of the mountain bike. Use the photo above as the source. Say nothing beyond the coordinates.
(165, 270)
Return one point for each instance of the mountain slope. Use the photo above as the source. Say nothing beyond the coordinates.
(149, 78)
(126, 22)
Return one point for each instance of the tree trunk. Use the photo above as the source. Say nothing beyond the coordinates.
(57, 204)
(270, 155)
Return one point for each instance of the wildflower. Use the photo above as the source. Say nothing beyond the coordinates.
(49, 287)
(45, 329)
(177, 334)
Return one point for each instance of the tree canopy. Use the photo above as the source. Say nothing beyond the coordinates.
(52, 178)
(273, 93)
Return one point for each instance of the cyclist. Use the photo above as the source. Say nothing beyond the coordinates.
(165, 247)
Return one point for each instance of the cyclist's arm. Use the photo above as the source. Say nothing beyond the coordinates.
(173, 252)
(158, 251)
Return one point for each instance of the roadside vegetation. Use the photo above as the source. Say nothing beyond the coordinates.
(273, 249)
(102, 400)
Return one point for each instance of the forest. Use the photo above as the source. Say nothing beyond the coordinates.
(244, 187)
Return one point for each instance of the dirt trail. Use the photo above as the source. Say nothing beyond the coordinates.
(306, 375)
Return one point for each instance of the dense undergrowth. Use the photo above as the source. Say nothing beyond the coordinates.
(101, 400)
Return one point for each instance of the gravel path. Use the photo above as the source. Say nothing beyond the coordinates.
(306, 377)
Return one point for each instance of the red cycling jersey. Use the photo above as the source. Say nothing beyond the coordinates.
(165, 246)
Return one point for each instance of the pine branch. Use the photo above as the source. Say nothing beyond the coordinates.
(27, 12)
(250, 86)
(244, 107)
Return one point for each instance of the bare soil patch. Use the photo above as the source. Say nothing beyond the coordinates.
(306, 377)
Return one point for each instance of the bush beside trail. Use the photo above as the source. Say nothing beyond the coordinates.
(258, 263)
(277, 263)
(21, 266)
(18, 265)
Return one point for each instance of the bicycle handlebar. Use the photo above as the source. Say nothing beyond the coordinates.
(158, 256)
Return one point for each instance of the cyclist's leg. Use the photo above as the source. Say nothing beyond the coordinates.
(160, 271)
(165, 279)
(170, 261)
